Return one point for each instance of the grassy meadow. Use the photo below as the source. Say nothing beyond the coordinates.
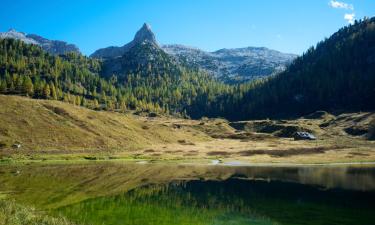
(52, 131)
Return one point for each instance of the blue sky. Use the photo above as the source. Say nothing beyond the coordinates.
(288, 26)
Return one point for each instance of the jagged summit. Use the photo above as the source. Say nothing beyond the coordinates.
(143, 35)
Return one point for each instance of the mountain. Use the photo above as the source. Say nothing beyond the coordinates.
(337, 75)
(240, 64)
(145, 34)
(230, 65)
(51, 46)
(142, 56)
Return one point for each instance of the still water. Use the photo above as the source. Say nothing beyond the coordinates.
(114, 194)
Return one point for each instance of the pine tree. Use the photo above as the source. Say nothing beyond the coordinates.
(28, 86)
(46, 91)
(78, 100)
(53, 91)
(96, 104)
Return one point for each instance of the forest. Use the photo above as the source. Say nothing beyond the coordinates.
(338, 74)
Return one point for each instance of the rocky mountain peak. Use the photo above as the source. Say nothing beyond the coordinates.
(145, 34)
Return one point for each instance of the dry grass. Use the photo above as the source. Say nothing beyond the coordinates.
(15, 214)
(58, 127)
(50, 130)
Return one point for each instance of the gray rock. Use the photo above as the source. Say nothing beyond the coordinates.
(144, 35)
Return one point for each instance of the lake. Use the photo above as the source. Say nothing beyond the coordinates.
(157, 193)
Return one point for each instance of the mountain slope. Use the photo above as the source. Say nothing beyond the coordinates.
(336, 75)
(51, 46)
(233, 65)
(58, 126)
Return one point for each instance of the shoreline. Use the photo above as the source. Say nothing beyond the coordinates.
(202, 162)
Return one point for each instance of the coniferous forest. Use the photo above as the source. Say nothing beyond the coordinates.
(336, 75)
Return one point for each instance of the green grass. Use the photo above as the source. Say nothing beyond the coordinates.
(12, 213)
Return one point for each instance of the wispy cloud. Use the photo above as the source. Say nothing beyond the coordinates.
(350, 17)
(341, 5)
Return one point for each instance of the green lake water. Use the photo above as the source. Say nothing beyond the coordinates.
(121, 194)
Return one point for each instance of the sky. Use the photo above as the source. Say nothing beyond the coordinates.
(290, 26)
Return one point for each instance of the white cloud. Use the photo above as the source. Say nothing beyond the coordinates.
(278, 36)
(340, 5)
(350, 17)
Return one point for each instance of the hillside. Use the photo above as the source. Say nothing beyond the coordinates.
(61, 127)
(62, 131)
(337, 75)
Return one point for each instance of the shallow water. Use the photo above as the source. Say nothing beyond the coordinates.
(187, 194)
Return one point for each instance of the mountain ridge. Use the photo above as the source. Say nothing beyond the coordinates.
(245, 63)
(54, 47)
(241, 64)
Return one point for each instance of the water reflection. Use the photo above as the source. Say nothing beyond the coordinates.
(130, 193)
(233, 201)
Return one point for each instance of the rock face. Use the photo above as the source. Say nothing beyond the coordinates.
(51, 46)
(240, 64)
(144, 35)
